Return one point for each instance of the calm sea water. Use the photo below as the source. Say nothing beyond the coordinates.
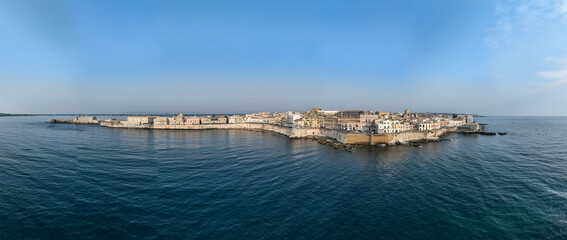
(88, 182)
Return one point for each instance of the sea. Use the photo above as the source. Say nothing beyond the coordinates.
(65, 181)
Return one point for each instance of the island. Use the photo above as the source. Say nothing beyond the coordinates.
(331, 127)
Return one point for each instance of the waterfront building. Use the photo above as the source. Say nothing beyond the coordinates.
(272, 120)
(254, 119)
(178, 120)
(161, 121)
(384, 126)
(368, 121)
(291, 117)
(140, 120)
(312, 122)
(193, 120)
(455, 123)
(402, 127)
(205, 120)
(299, 123)
(329, 122)
(350, 124)
(236, 119)
(428, 125)
(368, 118)
(219, 120)
(86, 119)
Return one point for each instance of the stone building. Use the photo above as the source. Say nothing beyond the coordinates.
(206, 120)
(236, 119)
(349, 124)
(85, 120)
(312, 122)
(291, 117)
(179, 120)
(329, 122)
(351, 113)
(219, 120)
(161, 121)
(368, 122)
(140, 120)
(299, 123)
(428, 125)
(193, 120)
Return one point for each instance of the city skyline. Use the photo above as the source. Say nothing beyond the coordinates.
(483, 57)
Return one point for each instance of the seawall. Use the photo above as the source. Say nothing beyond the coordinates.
(290, 132)
(393, 138)
(342, 137)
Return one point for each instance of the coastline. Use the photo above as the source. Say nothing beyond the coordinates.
(331, 137)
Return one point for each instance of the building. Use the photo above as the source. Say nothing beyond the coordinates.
(291, 117)
(299, 123)
(368, 122)
(193, 120)
(350, 124)
(428, 125)
(161, 121)
(328, 112)
(384, 126)
(205, 120)
(253, 119)
(455, 123)
(219, 120)
(368, 118)
(178, 120)
(312, 122)
(329, 122)
(85, 119)
(236, 119)
(140, 120)
(351, 113)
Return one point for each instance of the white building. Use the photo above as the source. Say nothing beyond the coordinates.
(428, 125)
(234, 119)
(140, 120)
(85, 119)
(328, 112)
(291, 117)
(161, 121)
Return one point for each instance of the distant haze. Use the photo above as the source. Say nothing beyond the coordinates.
(486, 57)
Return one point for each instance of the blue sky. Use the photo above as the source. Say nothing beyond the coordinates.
(499, 57)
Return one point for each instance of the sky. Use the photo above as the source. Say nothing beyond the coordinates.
(489, 57)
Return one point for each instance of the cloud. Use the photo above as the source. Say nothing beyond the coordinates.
(559, 75)
(563, 7)
(523, 16)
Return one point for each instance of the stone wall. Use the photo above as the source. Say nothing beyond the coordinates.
(393, 138)
(342, 137)
(290, 132)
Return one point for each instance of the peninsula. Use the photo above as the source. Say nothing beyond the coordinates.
(334, 127)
